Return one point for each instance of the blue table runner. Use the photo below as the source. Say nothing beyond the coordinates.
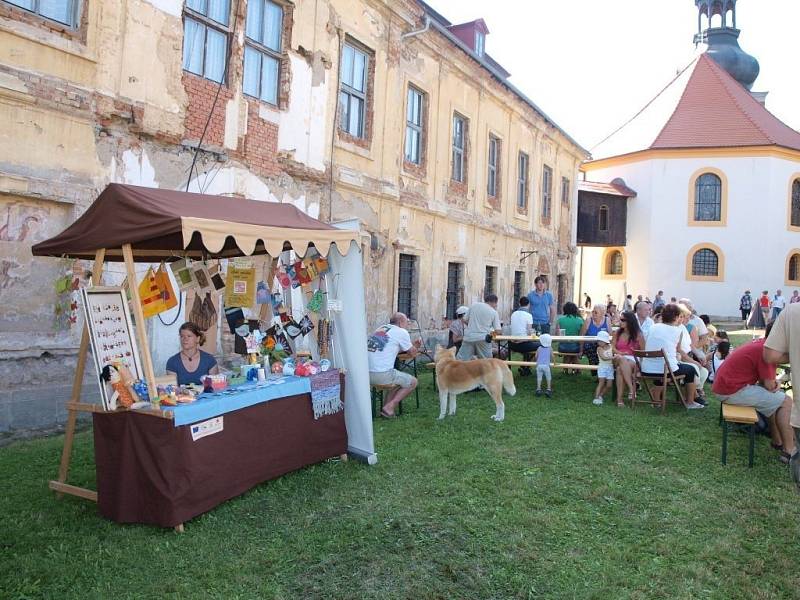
(210, 405)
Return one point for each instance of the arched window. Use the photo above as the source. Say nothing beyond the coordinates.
(795, 217)
(614, 263)
(793, 269)
(602, 218)
(705, 263)
(708, 198)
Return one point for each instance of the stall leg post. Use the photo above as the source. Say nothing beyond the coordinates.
(141, 329)
(77, 383)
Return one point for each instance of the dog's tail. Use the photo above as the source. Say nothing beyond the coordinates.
(508, 381)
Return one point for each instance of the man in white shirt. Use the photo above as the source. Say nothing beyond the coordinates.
(384, 345)
(482, 320)
(642, 310)
(778, 302)
(521, 324)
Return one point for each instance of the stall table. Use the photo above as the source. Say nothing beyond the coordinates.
(152, 470)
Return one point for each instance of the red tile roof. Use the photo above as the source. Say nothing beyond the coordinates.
(716, 111)
(615, 188)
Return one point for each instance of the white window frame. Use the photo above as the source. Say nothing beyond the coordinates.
(34, 6)
(493, 163)
(201, 19)
(259, 50)
(523, 163)
(458, 147)
(415, 105)
(350, 95)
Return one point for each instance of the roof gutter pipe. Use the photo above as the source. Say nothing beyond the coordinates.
(418, 31)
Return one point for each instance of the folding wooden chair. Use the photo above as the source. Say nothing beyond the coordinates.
(666, 378)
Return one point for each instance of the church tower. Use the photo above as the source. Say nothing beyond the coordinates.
(723, 40)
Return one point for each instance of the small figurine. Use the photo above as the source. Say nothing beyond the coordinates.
(121, 382)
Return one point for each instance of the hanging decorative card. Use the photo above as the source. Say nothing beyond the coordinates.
(262, 293)
(182, 270)
(235, 317)
(283, 315)
(110, 334)
(202, 277)
(150, 295)
(253, 341)
(217, 280)
(292, 329)
(326, 396)
(315, 303)
(240, 288)
(283, 277)
(321, 265)
(306, 325)
(291, 271)
(165, 288)
(302, 273)
(311, 269)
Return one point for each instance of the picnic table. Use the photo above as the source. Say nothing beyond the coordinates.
(555, 338)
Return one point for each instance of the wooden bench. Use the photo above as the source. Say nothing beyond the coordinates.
(376, 397)
(741, 415)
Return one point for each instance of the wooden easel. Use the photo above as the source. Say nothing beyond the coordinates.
(74, 405)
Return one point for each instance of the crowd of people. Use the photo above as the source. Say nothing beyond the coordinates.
(758, 313)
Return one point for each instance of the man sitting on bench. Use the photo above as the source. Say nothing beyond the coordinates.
(746, 379)
(521, 324)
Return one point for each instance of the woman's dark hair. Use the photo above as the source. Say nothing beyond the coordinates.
(632, 325)
(705, 319)
(670, 314)
(571, 309)
(658, 309)
(189, 326)
(724, 349)
(722, 334)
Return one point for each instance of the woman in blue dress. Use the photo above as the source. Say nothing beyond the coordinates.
(191, 364)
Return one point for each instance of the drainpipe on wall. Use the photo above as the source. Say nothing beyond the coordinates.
(417, 31)
(335, 124)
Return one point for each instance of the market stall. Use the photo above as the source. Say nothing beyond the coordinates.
(164, 464)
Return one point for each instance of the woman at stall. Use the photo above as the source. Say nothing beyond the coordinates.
(191, 364)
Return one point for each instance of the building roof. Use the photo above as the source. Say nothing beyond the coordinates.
(615, 188)
(703, 107)
(442, 25)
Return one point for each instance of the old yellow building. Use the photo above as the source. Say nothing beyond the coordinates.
(377, 110)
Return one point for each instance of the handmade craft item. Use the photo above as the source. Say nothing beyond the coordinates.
(240, 288)
(234, 317)
(150, 295)
(262, 293)
(182, 270)
(121, 381)
(165, 288)
(315, 303)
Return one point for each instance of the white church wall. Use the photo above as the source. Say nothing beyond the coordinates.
(754, 242)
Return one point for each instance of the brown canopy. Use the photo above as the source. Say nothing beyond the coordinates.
(160, 224)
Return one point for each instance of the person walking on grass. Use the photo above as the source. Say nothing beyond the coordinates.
(746, 305)
(605, 367)
(778, 303)
(543, 357)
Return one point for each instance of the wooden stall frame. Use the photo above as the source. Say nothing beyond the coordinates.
(74, 405)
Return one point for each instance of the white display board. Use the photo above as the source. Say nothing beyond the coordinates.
(110, 334)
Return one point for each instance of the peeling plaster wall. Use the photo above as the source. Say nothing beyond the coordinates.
(80, 113)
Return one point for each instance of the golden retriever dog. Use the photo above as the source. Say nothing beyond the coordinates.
(458, 376)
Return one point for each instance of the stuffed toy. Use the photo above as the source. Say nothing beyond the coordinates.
(121, 380)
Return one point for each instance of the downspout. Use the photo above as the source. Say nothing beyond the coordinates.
(418, 31)
(335, 123)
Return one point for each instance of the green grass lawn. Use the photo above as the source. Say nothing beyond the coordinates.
(562, 500)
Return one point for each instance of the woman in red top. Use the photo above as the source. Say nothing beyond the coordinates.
(763, 303)
(627, 339)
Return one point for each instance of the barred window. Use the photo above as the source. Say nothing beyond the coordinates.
(455, 281)
(796, 203)
(490, 281)
(705, 263)
(61, 11)
(564, 191)
(708, 198)
(794, 268)
(602, 218)
(353, 91)
(205, 38)
(262, 50)
(413, 150)
(406, 285)
(614, 263)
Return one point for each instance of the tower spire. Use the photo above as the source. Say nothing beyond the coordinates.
(723, 41)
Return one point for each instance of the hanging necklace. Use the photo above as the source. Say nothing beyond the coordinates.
(190, 358)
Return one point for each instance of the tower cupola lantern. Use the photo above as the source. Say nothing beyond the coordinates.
(722, 37)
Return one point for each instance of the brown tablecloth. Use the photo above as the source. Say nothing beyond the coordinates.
(149, 471)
